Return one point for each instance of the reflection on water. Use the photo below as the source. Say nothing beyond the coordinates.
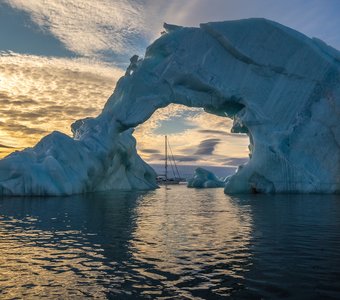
(192, 241)
(170, 243)
(64, 247)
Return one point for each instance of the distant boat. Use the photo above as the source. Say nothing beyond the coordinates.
(170, 161)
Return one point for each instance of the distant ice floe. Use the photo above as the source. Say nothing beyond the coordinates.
(279, 86)
(205, 179)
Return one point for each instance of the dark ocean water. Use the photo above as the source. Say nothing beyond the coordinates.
(175, 243)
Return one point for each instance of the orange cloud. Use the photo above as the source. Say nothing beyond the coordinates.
(40, 94)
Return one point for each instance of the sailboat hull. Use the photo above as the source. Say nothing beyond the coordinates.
(163, 181)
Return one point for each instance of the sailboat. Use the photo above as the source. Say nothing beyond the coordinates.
(170, 161)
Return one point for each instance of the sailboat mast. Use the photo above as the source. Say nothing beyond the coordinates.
(166, 158)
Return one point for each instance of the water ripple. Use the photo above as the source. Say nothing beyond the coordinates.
(170, 244)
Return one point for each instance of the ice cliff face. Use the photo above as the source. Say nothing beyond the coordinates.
(279, 86)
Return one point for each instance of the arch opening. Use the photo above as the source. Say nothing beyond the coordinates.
(198, 137)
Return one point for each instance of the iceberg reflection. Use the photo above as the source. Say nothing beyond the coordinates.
(193, 242)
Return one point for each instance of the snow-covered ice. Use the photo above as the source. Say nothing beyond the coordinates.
(278, 85)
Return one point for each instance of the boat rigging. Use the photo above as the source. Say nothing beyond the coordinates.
(169, 161)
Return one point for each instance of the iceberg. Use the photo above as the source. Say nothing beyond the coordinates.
(279, 86)
(204, 179)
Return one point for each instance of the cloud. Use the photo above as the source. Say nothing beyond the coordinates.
(5, 146)
(234, 161)
(149, 151)
(173, 125)
(40, 94)
(207, 147)
(90, 27)
(6, 149)
(222, 132)
(24, 130)
(147, 132)
(186, 158)
(212, 131)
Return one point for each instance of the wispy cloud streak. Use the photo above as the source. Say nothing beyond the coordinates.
(90, 28)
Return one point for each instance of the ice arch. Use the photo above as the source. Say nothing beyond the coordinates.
(279, 86)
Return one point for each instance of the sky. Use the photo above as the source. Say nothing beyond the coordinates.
(60, 61)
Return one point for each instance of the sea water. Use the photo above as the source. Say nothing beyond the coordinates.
(171, 243)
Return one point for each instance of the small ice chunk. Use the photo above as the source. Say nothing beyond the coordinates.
(204, 179)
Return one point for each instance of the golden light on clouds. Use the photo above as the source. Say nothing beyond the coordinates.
(40, 94)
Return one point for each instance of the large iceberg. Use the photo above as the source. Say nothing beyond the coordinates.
(279, 86)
